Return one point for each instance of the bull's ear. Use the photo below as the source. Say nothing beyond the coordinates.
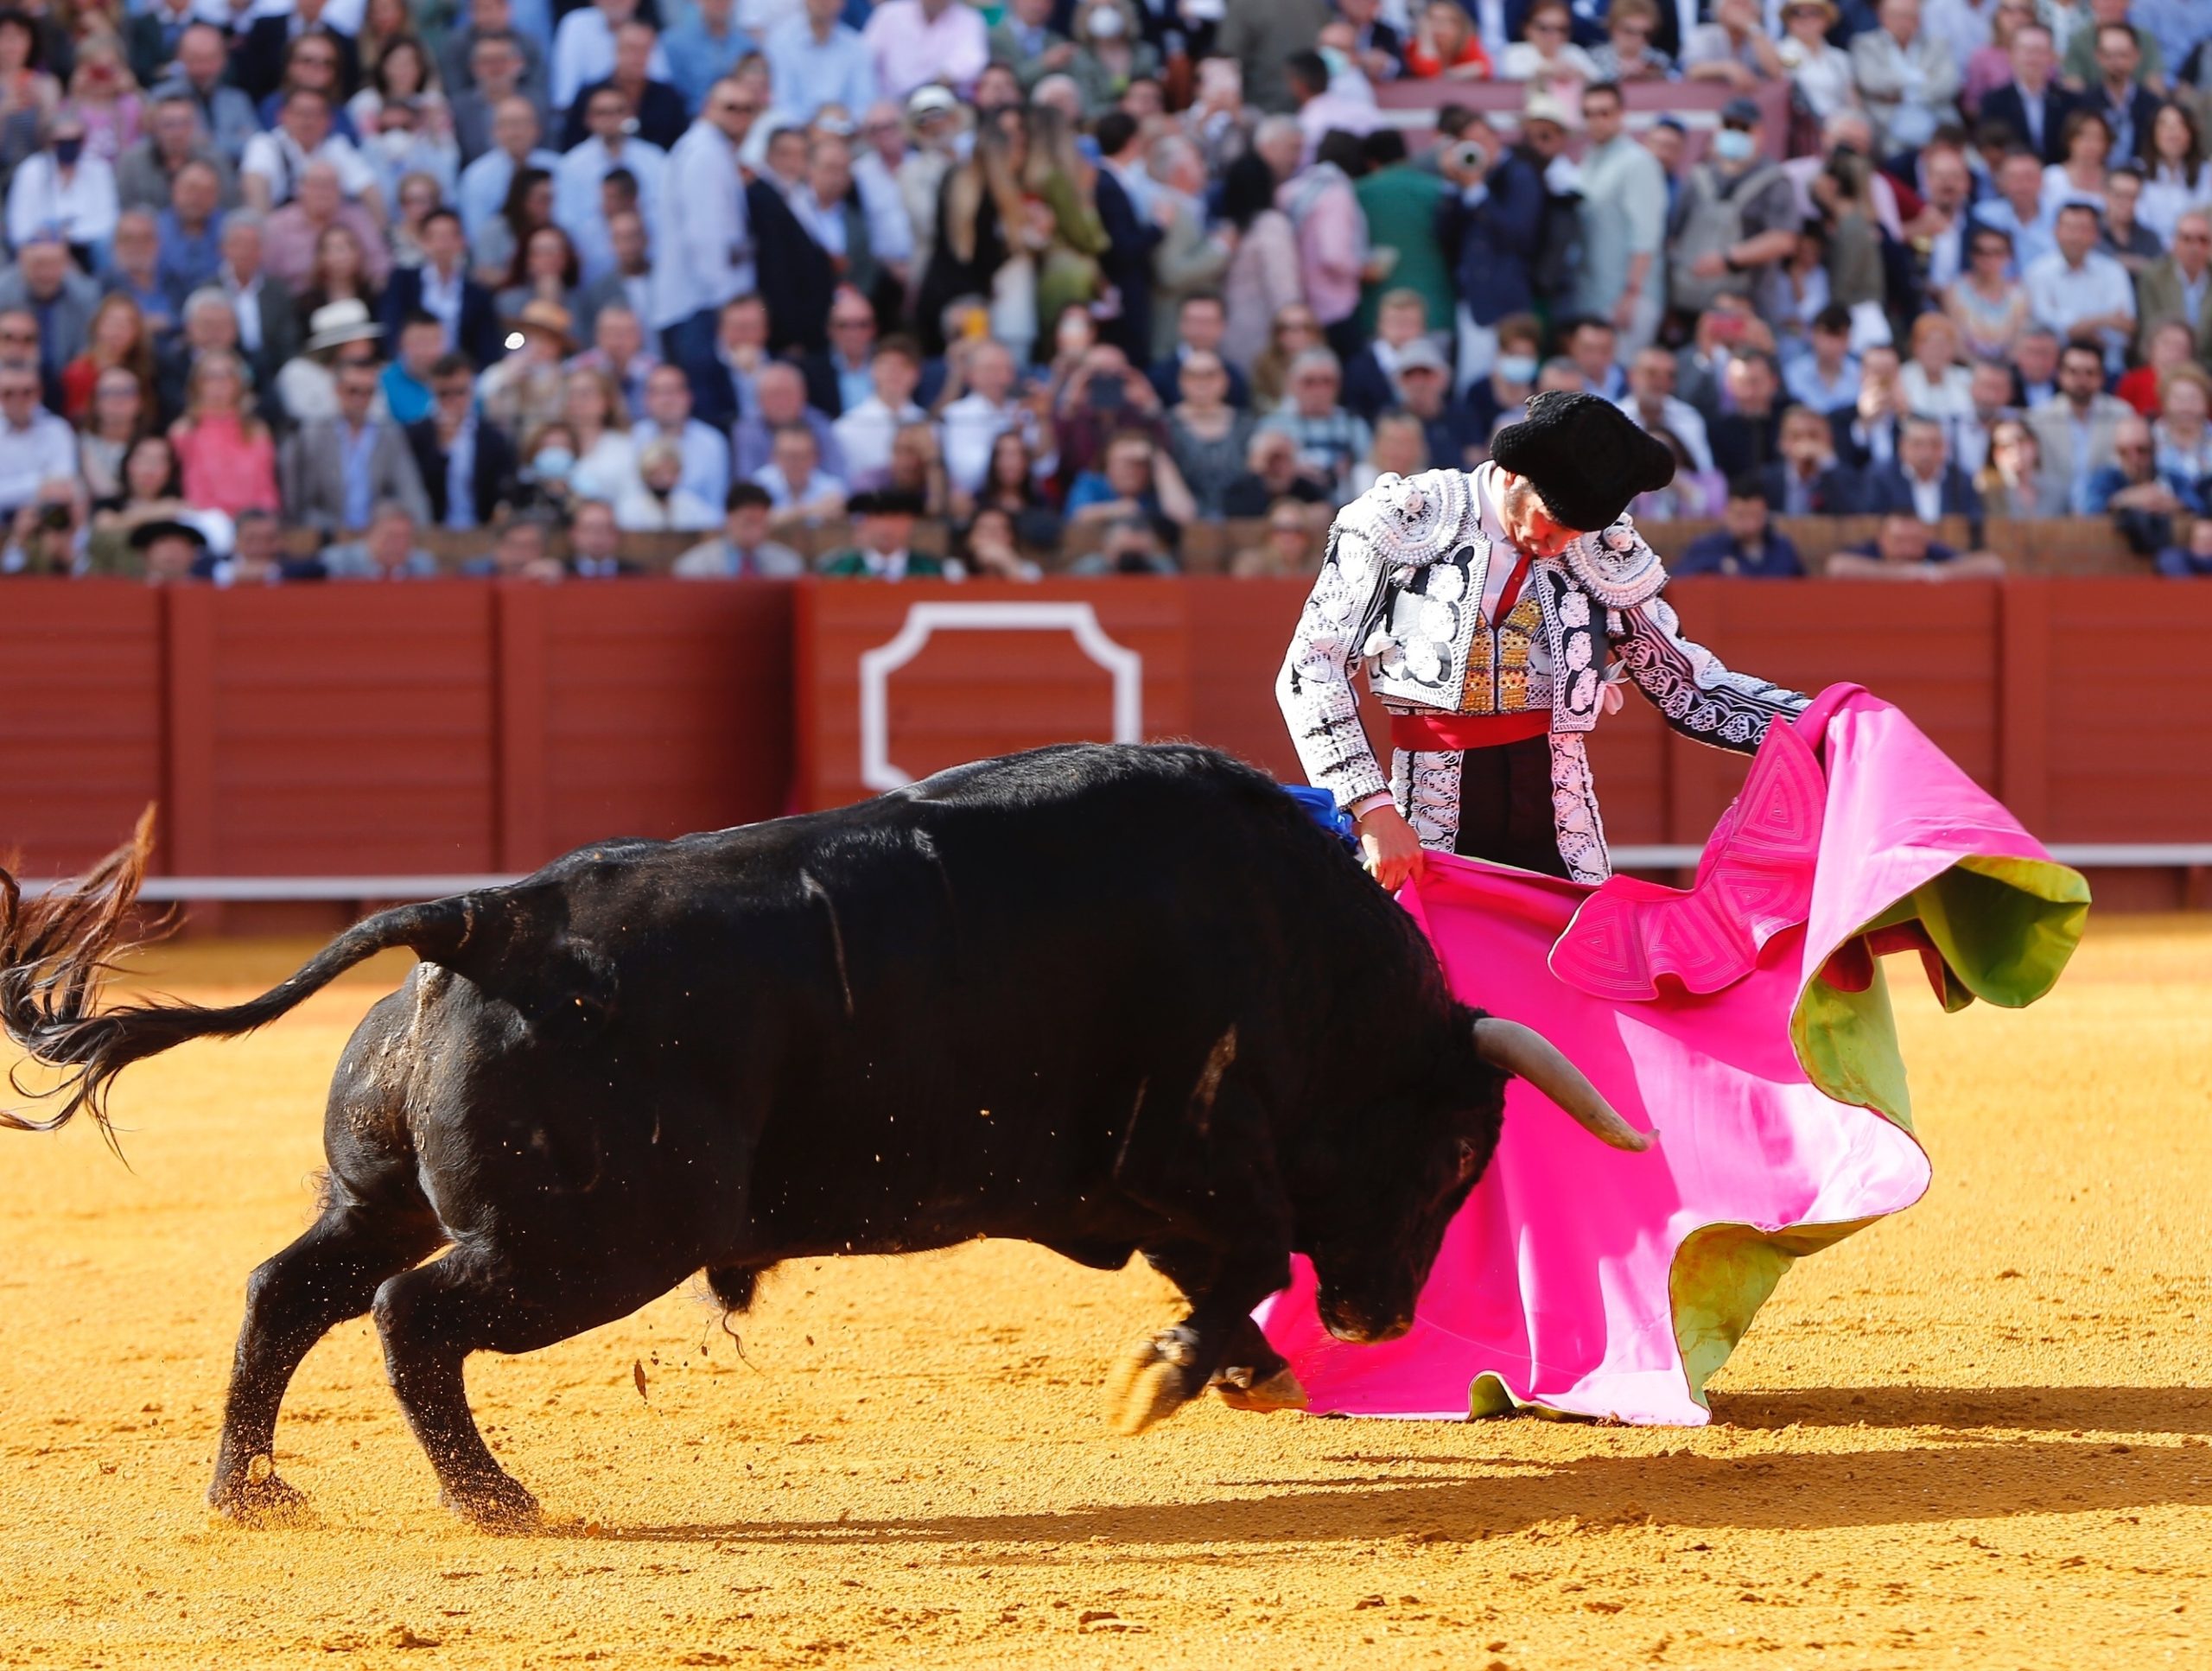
(1527, 1054)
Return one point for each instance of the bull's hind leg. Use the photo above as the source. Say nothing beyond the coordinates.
(473, 1299)
(292, 1300)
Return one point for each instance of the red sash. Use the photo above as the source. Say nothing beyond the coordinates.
(1460, 732)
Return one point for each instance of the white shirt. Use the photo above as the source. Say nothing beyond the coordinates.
(1926, 497)
(640, 510)
(275, 157)
(706, 456)
(43, 450)
(824, 223)
(441, 301)
(2059, 295)
(576, 207)
(890, 229)
(78, 210)
(245, 304)
(583, 52)
(865, 434)
(702, 245)
(1683, 421)
(968, 429)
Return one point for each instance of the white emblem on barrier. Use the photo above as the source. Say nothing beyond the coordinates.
(923, 619)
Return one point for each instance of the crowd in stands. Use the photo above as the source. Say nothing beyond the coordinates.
(292, 285)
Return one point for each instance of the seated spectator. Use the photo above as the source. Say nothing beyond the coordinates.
(1746, 435)
(1988, 305)
(579, 203)
(1502, 394)
(1923, 480)
(1271, 473)
(190, 233)
(2126, 240)
(1295, 330)
(171, 553)
(1016, 484)
(336, 471)
(469, 467)
(1989, 399)
(45, 284)
(527, 388)
(972, 423)
(117, 340)
(226, 455)
(2192, 561)
(1329, 440)
(865, 432)
(1371, 384)
(1133, 480)
(2169, 343)
(1651, 401)
(2016, 210)
(339, 273)
(120, 412)
(1824, 375)
(1401, 448)
(542, 484)
(1905, 76)
(134, 270)
(2083, 295)
(385, 551)
(1934, 384)
(519, 553)
(1108, 55)
(495, 246)
(606, 455)
(2035, 367)
(148, 489)
(917, 469)
(2183, 437)
(882, 547)
(274, 164)
(1821, 75)
(779, 398)
(61, 191)
(2076, 426)
(1807, 480)
(1547, 59)
(2141, 499)
(659, 503)
(404, 386)
(705, 453)
(1866, 432)
(584, 49)
(595, 543)
(1202, 324)
(2013, 482)
(339, 333)
(1746, 544)
(629, 281)
(990, 548)
(467, 317)
(1206, 436)
(1732, 49)
(545, 271)
(803, 493)
(744, 549)
(1626, 53)
(46, 537)
(257, 555)
(1904, 549)
(1130, 546)
(225, 114)
(619, 349)
(1692, 494)
(1445, 45)
(2079, 176)
(1290, 547)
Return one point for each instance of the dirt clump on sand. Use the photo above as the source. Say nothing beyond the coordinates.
(1976, 1434)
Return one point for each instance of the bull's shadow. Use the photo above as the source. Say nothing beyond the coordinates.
(1388, 1491)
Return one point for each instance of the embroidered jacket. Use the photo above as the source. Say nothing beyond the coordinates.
(1400, 592)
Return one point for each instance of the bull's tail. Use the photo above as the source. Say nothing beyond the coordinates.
(57, 950)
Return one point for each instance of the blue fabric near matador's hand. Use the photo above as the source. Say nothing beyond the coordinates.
(1321, 807)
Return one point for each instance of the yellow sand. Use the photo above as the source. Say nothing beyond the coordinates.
(1975, 1435)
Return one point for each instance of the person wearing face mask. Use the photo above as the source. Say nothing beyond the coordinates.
(1489, 718)
(1736, 217)
(62, 192)
(1108, 55)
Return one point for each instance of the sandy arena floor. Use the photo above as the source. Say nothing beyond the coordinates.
(1977, 1434)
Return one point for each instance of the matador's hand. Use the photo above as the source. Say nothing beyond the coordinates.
(1387, 846)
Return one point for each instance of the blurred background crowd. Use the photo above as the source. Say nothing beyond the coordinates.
(306, 288)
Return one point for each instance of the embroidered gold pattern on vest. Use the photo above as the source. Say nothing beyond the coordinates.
(1497, 663)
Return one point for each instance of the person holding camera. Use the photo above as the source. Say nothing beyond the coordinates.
(1493, 222)
(47, 534)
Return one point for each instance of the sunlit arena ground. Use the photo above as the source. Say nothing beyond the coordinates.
(1977, 1434)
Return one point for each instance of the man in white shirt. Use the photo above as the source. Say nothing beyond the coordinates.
(270, 173)
(914, 42)
(866, 431)
(705, 452)
(2081, 293)
(1905, 77)
(817, 59)
(583, 49)
(60, 192)
(35, 446)
(483, 188)
(705, 246)
(1652, 402)
(971, 426)
(577, 207)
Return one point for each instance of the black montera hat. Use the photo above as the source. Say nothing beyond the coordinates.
(1585, 458)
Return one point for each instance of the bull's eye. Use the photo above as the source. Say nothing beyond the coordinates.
(1469, 1160)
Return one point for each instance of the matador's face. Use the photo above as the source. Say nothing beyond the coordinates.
(1527, 524)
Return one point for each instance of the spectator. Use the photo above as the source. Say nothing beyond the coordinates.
(1807, 480)
(525, 390)
(2076, 427)
(467, 468)
(912, 43)
(190, 233)
(2180, 435)
(704, 238)
(46, 537)
(62, 190)
(2192, 561)
(1624, 213)
(599, 418)
(2141, 498)
(385, 551)
(1943, 227)
(145, 173)
(608, 144)
(1905, 76)
(46, 286)
(1866, 432)
(865, 432)
(486, 192)
(226, 114)
(1451, 433)
(2083, 296)
(641, 75)
(801, 491)
(1253, 32)
(1651, 401)
(972, 423)
(275, 162)
(1207, 436)
(1546, 57)
(1191, 259)
(226, 458)
(1923, 480)
(2035, 367)
(1626, 53)
(336, 471)
(2116, 89)
(405, 123)
(147, 490)
(1826, 377)
(1399, 447)
(619, 350)
(2175, 287)
(2016, 210)
(2176, 177)
(133, 270)
(1271, 473)
(292, 239)
(1736, 215)
(779, 399)
(116, 339)
(2126, 240)
(744, 549)
(1263, 282)
(1822, 77)
(1733, 49)
(1329, 440)
(120, 413)
(595, 543)
(2033, 103)
(545, 272)
(1014, 485)
(1988, 306)
(1904, 549)
(1026, 42)
(496, 68)
(918, 467)
(541, 484)
(1936, 385)
(585, 48)
(1693, 494)
(1989, 399)
(1109, 54)
(2171, 342)
(2078, 176)
(1130, 546)
(883, 535)
(1370, 376)
(990, 548)
(466, 317)
(1746, 435)
(518, 553)
(1746, 544)
(2013, 482)
(1202, 326)
(704, 453)
(1290, 547)
(305, 386)
(814, 59)
(657, 502)
(1445, 45)
(1493, 224)
(35, 446)
(1135, 479)
(339, 272)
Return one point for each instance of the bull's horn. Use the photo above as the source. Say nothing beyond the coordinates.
(1525, 1051)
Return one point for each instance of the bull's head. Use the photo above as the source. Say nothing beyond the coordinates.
(1375, 1256)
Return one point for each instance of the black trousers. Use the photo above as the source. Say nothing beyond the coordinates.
(1505, 807)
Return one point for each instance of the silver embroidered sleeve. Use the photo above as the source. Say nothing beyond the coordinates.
(1315, 689)
(1691, 691)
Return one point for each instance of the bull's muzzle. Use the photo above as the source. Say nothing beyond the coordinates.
(1528, 1055)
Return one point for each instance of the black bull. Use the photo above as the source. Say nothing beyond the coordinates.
(1108, 1000)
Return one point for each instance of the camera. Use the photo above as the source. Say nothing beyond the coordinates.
(1470, 157)
(56, 518)
(1105, 391)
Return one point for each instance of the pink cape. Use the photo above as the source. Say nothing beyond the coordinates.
(1747, 1021)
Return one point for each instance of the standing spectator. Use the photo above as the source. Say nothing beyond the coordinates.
(145, 174)
(1401, 205)
(467, 466)
(1807, 481)
(1133, 228)
(1263, 279)
(1206, 436)
(2033, 103)
(1109, 55)
(1624, 209)
(1746, 544)
(815, 59)
(1190, 258)
(703, 49)
(1923, 481)
(1736, 217)
(1733, 49)
(2178, 285)
(1821, 75)
(1906, 77)
(226, 456)
(744, 549)
(1329, 440)
(2083, 295)
(914, 42)
(63, 191)
(2075, 426)
(336, 471)
(2013, 482)
(1494, 222)
(1254, 33)
(227, 113)
(704, 239)
(1026, 43)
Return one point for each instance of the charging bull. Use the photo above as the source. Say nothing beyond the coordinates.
(1109, 999)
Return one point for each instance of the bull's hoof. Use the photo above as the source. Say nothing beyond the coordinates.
(255, 1497)
(1279, 1391)
(497, 1504)
(1151, 1382)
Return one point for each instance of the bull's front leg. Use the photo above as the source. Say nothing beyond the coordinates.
(1215, 1342)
